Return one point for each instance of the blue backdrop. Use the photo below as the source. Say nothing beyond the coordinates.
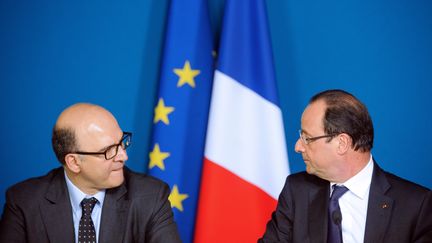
(55, 53)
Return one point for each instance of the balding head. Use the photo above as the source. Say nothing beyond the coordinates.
(77, 124)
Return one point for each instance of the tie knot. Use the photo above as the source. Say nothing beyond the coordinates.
(87, 204)
(338, 191)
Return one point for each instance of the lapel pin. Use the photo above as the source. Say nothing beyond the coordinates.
(384, 205)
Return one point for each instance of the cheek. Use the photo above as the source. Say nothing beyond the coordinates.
(309, 153)
(314, 156)
(107, 169)
(101, 170)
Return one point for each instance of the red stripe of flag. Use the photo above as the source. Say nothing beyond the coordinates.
(231, 207)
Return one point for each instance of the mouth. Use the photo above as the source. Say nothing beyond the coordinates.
(118, 169)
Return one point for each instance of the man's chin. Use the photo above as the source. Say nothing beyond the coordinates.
(117, 178)
(310, 170)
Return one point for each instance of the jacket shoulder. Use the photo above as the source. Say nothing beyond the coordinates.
(402, 185)
(305, 179)
(139, 184)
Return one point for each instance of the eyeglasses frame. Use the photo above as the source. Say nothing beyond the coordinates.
(308, 140)
(125, 136)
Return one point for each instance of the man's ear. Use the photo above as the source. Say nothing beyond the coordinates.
(73, 163)
(345, 143)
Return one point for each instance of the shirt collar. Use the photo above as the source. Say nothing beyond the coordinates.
(360, 183)
(76, 195)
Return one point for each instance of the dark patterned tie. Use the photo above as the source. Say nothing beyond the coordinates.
(335, 216)
(86, 231)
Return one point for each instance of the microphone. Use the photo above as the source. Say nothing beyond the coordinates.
(337, 217)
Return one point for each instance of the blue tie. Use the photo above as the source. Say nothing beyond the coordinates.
(335, 216)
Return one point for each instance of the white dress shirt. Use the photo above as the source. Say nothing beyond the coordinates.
(76, 196)
(354, 203)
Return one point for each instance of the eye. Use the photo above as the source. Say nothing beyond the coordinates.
(111, 151)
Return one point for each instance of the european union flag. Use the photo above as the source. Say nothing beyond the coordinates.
(181, 110)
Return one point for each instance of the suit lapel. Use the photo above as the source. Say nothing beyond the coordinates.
(56, 211)
(318, 204)
(379, 207)
(114, 215)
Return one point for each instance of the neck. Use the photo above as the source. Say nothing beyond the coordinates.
(354, 162)
(75, 179)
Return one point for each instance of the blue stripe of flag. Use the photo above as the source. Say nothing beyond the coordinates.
(247, 48)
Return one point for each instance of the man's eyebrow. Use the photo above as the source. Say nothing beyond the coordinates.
(108, 146)
(105, 148)
(303, 131)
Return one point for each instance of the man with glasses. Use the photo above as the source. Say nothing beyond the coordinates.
(344, 196)
(93, 197)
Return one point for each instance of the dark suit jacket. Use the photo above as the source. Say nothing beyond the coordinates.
(398, 211)
(39, 210)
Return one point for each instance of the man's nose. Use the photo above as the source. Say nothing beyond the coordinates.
(299, 147)
(121, 154)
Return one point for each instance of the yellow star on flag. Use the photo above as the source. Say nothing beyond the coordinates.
(157, 157)
(176, 198)
(186, 75)
(161, 112)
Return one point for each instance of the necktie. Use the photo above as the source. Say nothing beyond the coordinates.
(86, 231)
(335, 216)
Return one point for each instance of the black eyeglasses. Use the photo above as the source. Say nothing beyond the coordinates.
(308, 140)
(112, 150)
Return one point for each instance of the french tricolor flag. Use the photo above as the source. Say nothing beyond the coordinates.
(246, 162)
